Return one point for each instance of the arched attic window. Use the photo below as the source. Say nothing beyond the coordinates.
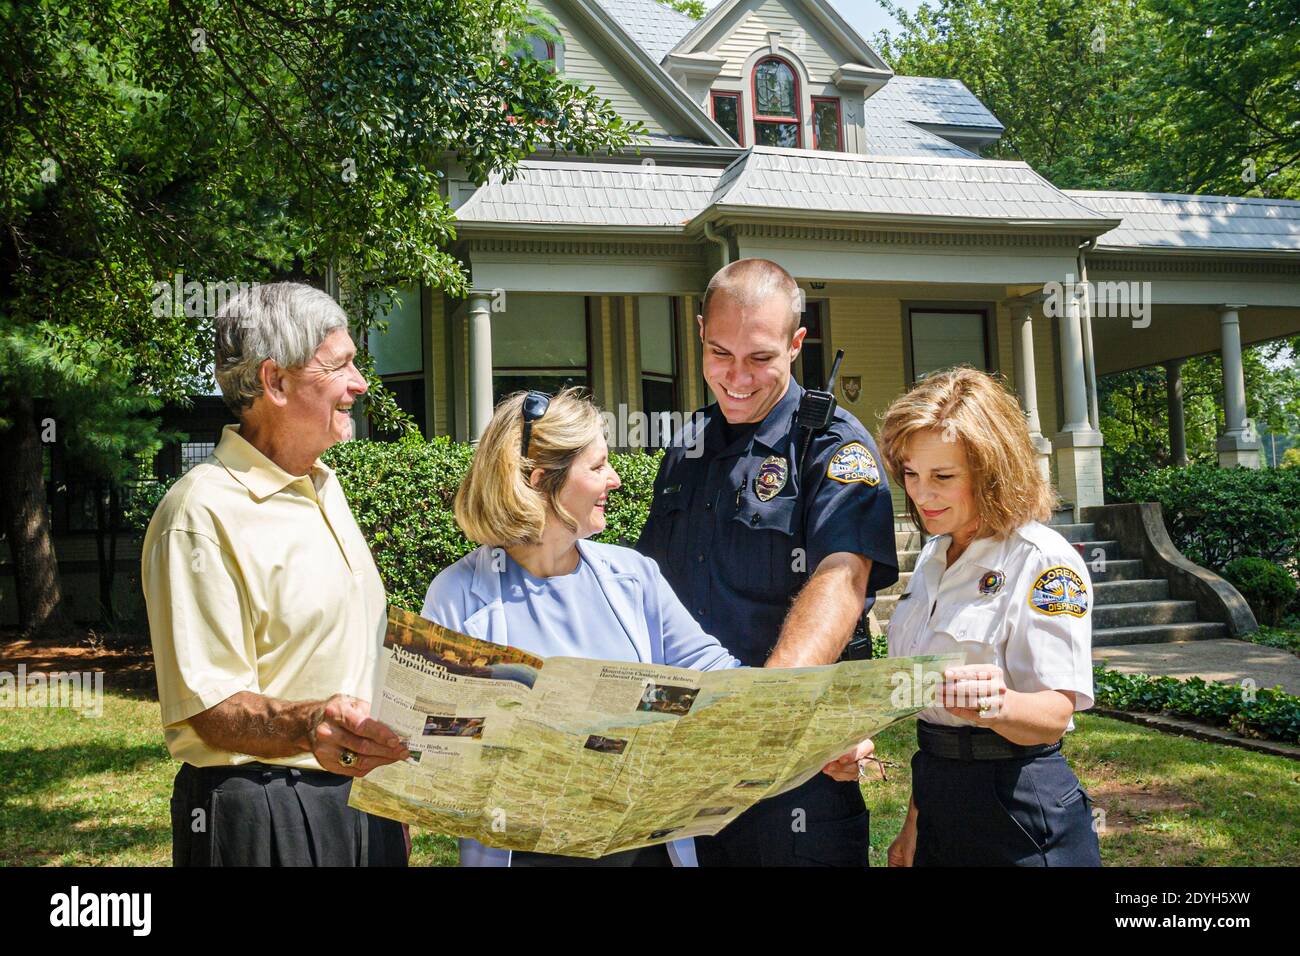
(777, 115)
(535, 46)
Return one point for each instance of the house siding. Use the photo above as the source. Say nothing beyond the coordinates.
(800, 35)
(871, 333)
(587, 64)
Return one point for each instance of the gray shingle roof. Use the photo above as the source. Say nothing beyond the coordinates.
(1170, 221)
(947, 187)
(589, 194)
(586, 195)
(656, 27)
(931, 101)
(886, 136)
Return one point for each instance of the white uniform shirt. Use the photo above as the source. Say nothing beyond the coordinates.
(1023, 604)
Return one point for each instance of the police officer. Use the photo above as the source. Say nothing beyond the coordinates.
(744, 522)
(989, 783)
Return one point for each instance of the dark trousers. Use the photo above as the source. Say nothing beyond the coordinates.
(822, 822)
(656, 855)
(1012, 812)
(262, 815)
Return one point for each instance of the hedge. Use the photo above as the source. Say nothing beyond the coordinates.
(401, 495)
(1267, 713)
(1217, 514)
(1267, 587)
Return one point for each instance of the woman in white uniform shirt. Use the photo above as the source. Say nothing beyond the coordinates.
(989, 783)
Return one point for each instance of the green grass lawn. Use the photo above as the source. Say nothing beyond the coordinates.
(94, 791)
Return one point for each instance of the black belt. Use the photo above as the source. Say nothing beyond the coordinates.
(975, 743)
(209, 776)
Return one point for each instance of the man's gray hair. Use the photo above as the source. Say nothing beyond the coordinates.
(282, 321)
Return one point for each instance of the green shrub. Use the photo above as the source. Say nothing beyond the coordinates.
(401, 494)
(1217, 514)
(1285, 638)
(1267, 588)
(1267, 713)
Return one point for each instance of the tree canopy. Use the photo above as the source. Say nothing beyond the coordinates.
(231, 140)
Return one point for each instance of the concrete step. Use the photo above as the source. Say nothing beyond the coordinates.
(1063, 514)
(904, 523)
(1124, 569)
(1114, 569)
(1162, 634)
(908, 540)
(1119, 603)
(1143, 613)
(898, 587)
(885, 606)
(1076, 532)
(1091, 550)
(1130, 592)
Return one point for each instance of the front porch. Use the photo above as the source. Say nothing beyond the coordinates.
(591, 273)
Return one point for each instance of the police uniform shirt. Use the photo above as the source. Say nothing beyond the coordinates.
(1023, 604)
(737, 529)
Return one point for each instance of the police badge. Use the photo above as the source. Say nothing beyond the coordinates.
(772, 475)
(992, 582)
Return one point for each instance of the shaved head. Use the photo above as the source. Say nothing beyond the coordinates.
(753, 284)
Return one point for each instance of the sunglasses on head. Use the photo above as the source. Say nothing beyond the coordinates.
(535, 406)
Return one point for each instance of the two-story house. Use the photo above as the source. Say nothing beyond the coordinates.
(776, 131)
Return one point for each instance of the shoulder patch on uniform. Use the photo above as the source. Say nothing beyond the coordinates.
(1059, 590)
(853, 462)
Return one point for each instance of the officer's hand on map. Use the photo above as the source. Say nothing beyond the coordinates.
(974, 692)
(849, 766)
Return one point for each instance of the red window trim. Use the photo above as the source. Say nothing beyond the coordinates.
(839, 120)
(740, 111)
(797, 121)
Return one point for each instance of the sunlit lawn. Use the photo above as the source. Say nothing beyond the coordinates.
(95, 790)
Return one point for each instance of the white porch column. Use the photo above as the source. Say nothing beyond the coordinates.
(1022, 351)
(1078, 444)
(480, 364)
(1238, 446)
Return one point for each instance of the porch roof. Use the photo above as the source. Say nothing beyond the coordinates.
(627, 197)
(781, 184)
(1167, 221)
(922, 189)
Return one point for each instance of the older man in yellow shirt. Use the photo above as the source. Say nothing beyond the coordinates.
(266, 610)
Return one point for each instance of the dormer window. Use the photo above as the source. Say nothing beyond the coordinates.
(726, 112)
(776, 104)
(828, 128)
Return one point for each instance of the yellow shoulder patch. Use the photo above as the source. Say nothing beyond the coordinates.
(1059, 590)
(853, 462)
